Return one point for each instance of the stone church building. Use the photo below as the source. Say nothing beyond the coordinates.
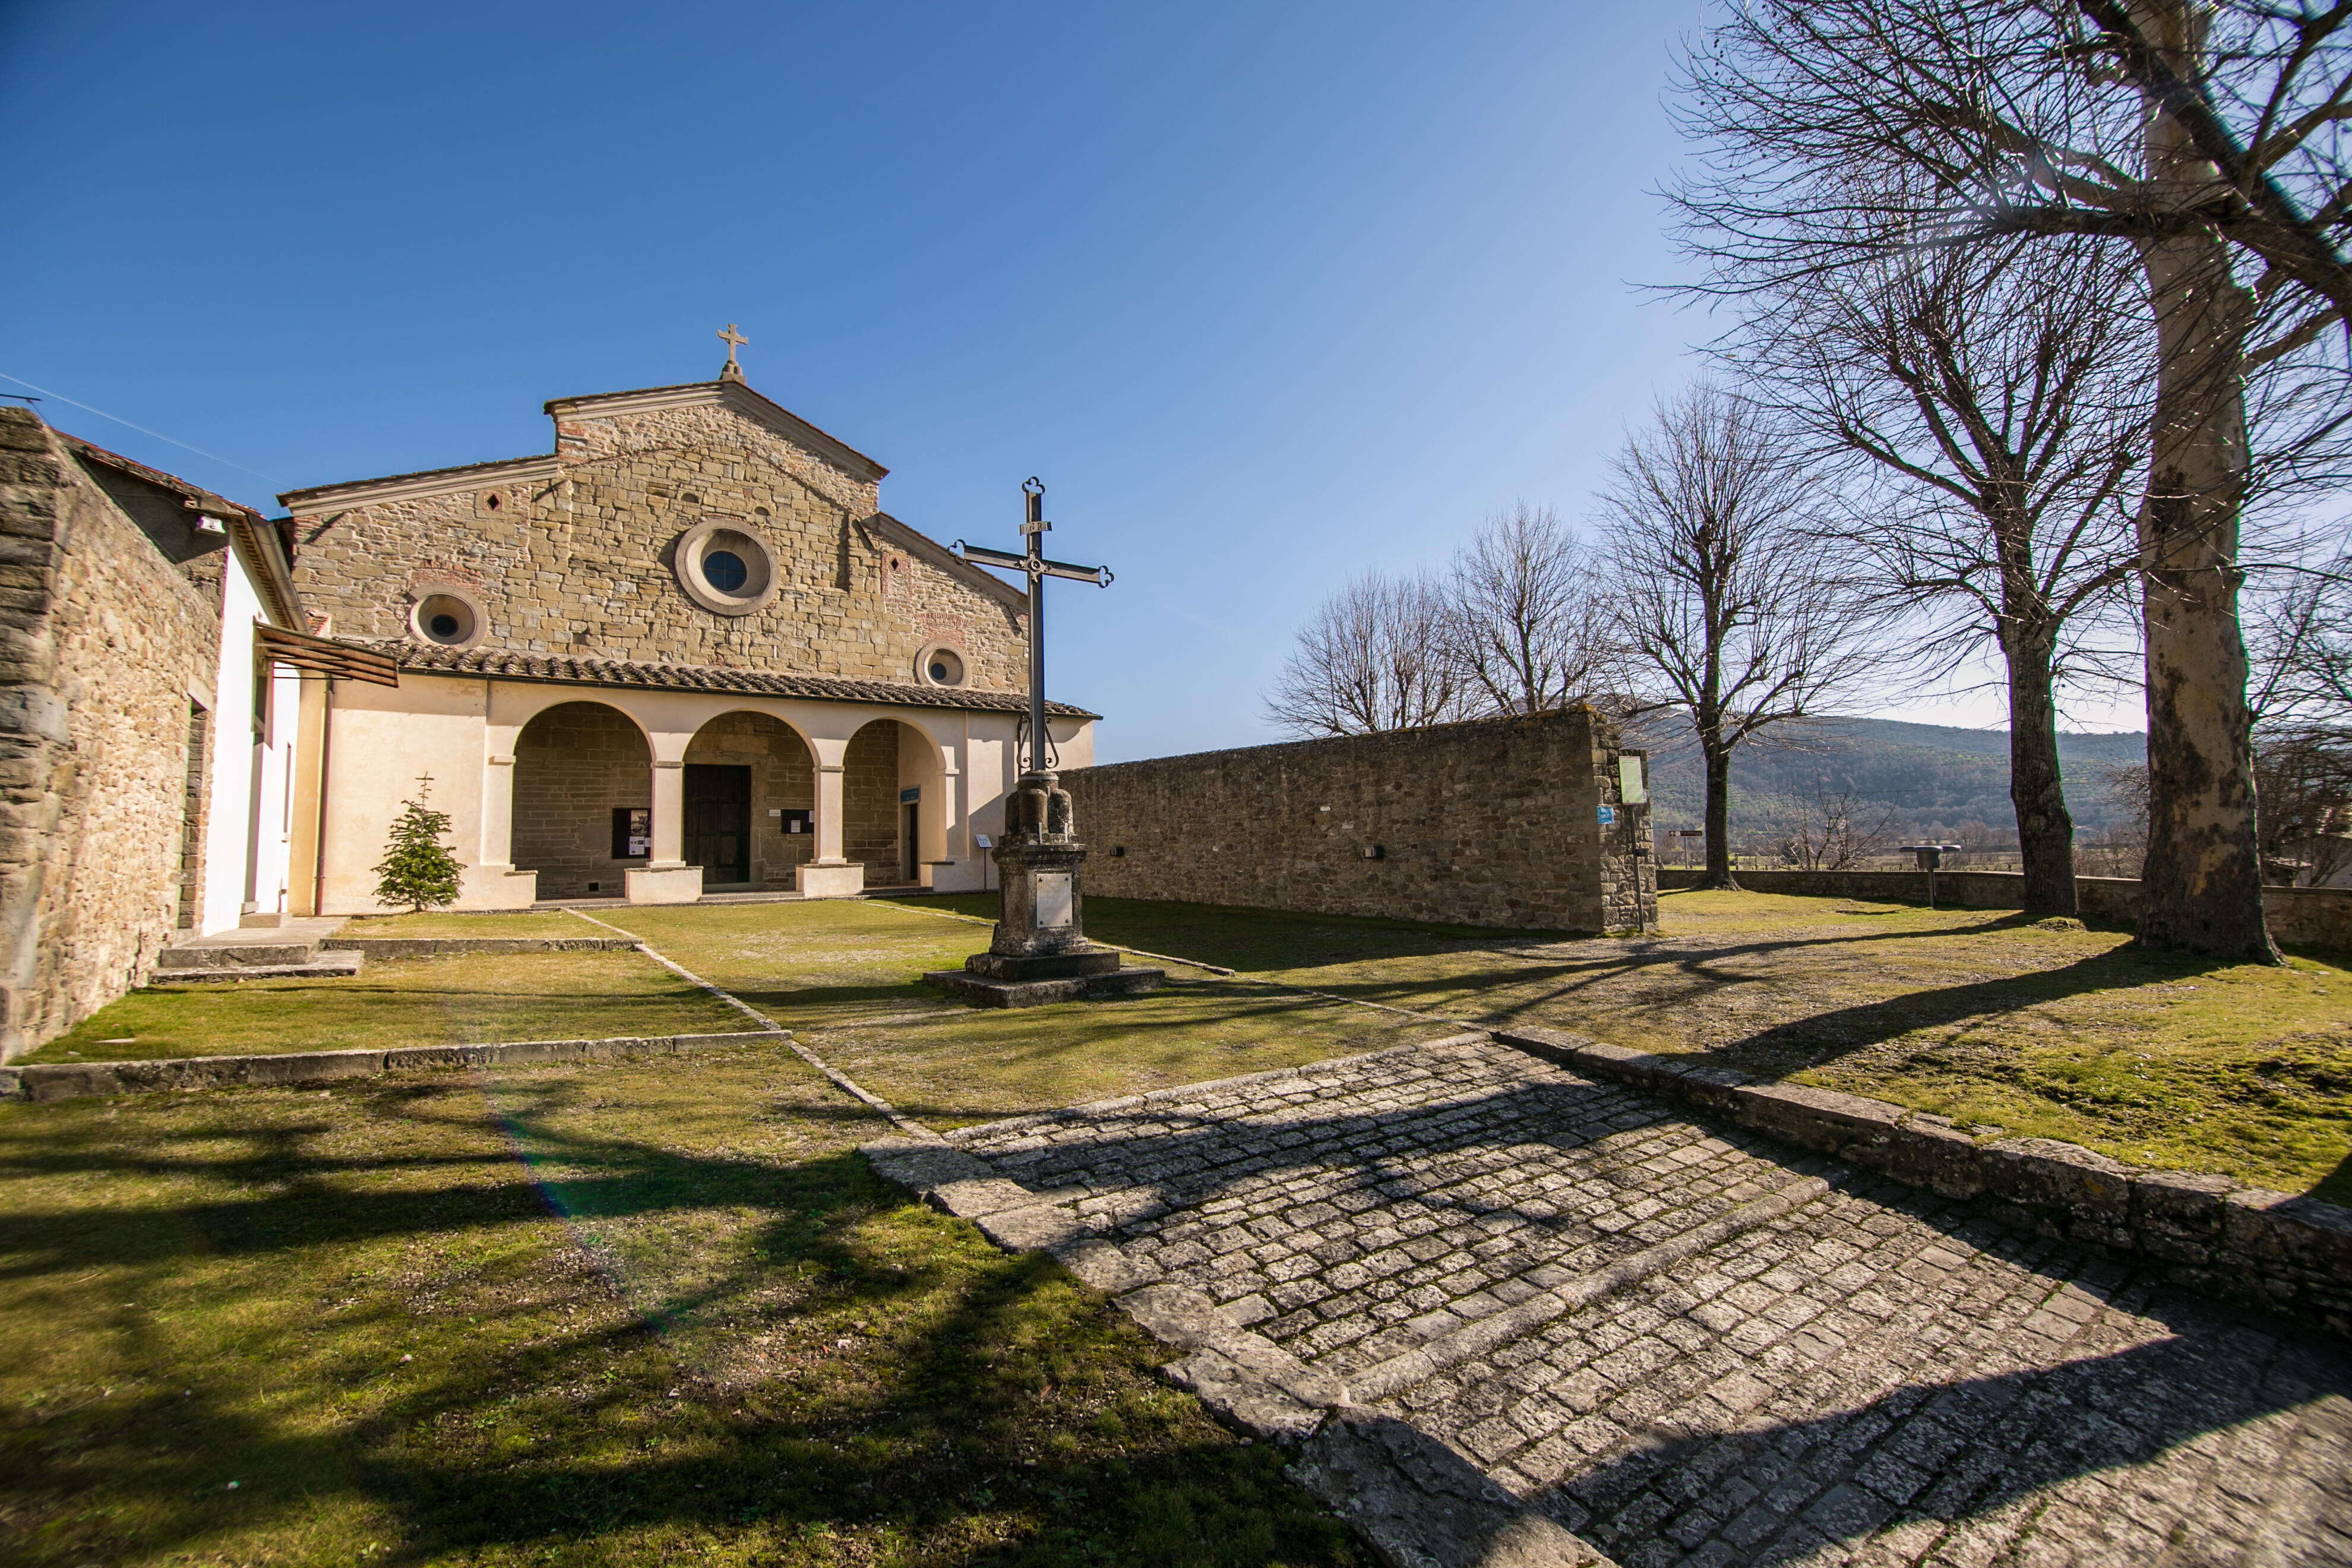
(684, 653)
(688, 652)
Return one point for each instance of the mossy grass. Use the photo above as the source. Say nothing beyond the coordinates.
(848, 976)
(2242, 1069)
(620, 1313)
(465, 1000)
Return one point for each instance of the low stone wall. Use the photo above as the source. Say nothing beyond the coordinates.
(453, 946)
(2299, 917)
(43, 1081)
(1497, 823)
(2211, 1234)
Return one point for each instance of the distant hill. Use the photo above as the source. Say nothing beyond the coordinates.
(1935, 780)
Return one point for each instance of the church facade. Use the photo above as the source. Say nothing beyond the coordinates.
(685, 652)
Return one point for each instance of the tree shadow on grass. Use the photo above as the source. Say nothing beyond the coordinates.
(535, 1416)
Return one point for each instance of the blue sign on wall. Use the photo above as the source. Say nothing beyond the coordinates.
(1607, 814)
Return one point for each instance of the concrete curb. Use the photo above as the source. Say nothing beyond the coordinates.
(1410, 1498)
(46, 1081)
(451, 946)
(2209, 1233)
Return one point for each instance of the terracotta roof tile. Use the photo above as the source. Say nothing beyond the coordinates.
(506, 664)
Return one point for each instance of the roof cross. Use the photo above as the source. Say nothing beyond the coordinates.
(733, 340)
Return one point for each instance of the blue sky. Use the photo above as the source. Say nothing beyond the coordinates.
(1267, 294)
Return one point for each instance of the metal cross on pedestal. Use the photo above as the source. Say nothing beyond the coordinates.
(1040, 951)
(1034, 565)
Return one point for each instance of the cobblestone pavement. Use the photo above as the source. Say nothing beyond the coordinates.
(1689, 1346)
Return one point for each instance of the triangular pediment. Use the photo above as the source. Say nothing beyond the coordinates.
(614, 412)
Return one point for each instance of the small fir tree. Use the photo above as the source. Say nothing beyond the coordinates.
(418, 870)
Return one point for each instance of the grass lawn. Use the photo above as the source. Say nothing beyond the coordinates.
(847, 977)
(529, 922)
(2239, 1068)
(614, 1314)
(468, 1000)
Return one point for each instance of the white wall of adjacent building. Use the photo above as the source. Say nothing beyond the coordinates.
(253, 726)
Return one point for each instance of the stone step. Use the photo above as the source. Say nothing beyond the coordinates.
(237, 956)
(321, 967)
(285, 939)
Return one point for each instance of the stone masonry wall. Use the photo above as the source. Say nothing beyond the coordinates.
(102, 637)
(1488, 824)
(574, 763)
(581, 562)
(2299, 917)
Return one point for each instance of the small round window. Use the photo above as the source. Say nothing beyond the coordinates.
(446, 617)
(727, 567)
(941, 664)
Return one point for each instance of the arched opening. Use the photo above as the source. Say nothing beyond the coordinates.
(750, 803)
(584, 794)
(893, 807)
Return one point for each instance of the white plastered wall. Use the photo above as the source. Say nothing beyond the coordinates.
(463, 732)
(247, 822)
(386, 738)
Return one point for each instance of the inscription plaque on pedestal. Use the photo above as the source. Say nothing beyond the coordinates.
(1053, 898)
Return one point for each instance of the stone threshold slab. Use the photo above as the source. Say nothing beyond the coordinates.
(982, 992)
(43, 1082)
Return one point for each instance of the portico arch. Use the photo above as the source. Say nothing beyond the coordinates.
(750, 802)
(894, 803)
(580, 767)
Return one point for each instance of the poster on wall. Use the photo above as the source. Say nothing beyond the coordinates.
(632, 832)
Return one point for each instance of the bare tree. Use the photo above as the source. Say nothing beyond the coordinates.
(1830, 831)
(2205, 133)
(1372, 659)
(1717, 590)
(1523, 633)
(2306, 775)
(2301, 642)
(1995, 399)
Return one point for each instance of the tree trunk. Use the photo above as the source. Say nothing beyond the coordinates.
(1718, 813)
(2201, 888)
(2045, 829)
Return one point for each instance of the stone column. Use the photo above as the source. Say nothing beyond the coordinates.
(669, 817)
(495, 884)
(665, 878)
(829, 876)
(497, 813)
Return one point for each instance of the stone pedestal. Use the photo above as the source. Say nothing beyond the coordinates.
(1040, 953)
(663, 884)
(842, 880)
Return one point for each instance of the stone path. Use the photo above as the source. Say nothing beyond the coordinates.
(1682, 1343)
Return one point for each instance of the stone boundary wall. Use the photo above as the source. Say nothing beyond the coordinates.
(103, 636)
(44, 1081)
(2211, 1234)
(1493, 823)
(2299, 917)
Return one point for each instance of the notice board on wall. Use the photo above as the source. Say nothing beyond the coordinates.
(632, 832)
